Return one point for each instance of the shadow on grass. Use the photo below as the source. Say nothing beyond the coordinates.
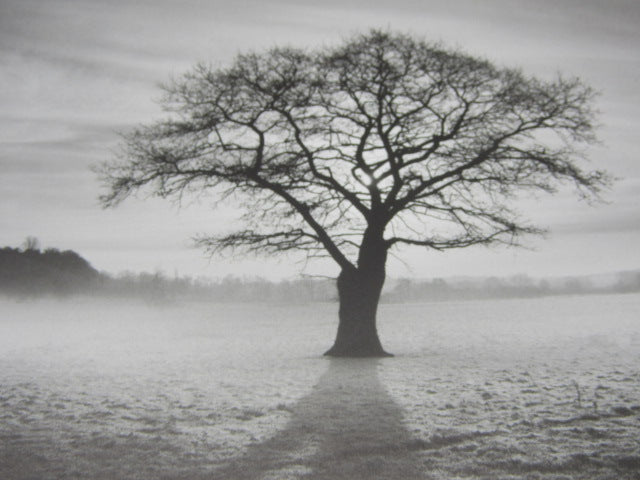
(348, 427)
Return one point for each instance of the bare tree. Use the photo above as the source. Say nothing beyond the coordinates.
(354, 150)
(31, 244)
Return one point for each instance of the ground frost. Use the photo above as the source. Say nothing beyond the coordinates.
(541, 389)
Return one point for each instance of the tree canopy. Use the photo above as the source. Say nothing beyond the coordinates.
(428, 142)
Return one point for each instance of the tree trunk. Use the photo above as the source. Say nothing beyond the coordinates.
(359, 292)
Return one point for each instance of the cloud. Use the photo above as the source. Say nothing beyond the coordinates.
(74, 72)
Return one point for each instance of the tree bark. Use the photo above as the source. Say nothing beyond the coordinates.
(359, 292)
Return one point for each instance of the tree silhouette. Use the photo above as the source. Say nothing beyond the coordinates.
(33, 272)
(354, 150)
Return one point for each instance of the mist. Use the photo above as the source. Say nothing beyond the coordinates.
(151, 375)
(31, 273)
(99, 387)
(148, 374)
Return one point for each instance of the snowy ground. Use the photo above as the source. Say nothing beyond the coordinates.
(536, 389)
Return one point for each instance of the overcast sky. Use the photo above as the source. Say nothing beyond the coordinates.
(73, 73)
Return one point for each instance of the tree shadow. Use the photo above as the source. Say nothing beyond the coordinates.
(348, 427)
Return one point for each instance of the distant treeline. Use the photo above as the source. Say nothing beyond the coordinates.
(30, 272)
(33, 272)
(518, 286)
(235, 289)
(158, 287)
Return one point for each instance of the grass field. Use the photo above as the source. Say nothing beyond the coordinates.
(538, 389)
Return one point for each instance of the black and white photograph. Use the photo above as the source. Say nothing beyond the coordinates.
(338, 240)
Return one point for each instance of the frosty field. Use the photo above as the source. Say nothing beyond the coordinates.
(540, 389)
